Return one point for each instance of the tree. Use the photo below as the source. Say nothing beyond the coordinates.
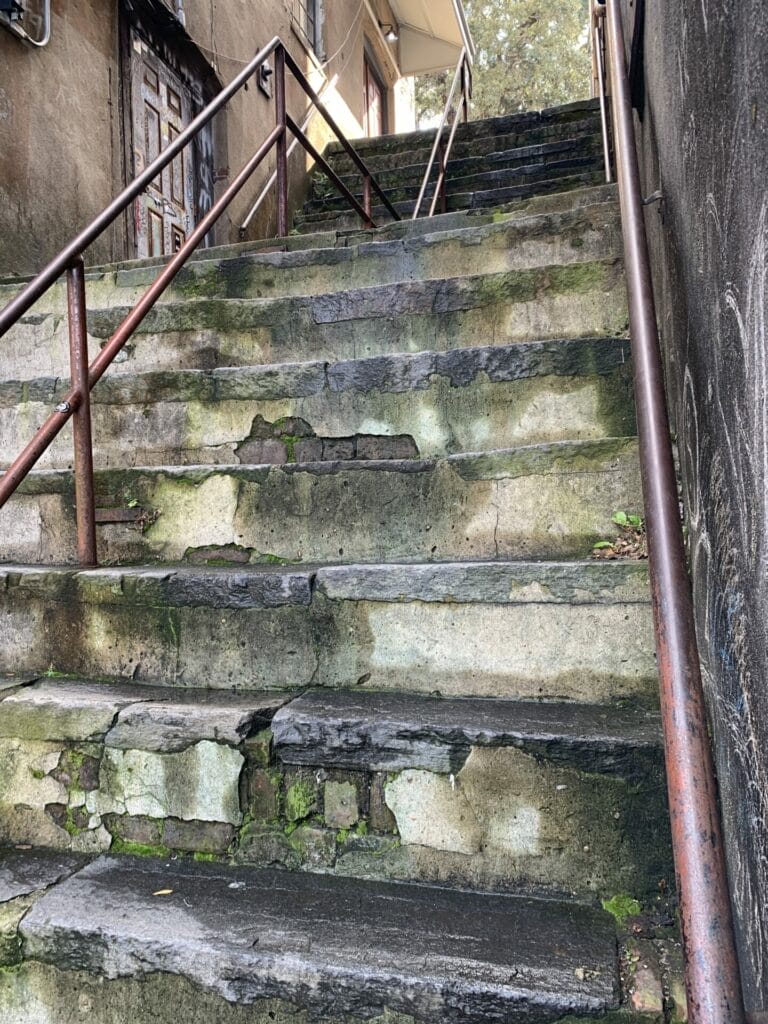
(529, 55)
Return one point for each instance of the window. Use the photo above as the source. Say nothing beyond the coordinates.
(307, 15)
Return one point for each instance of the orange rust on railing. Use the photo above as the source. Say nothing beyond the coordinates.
(463, 78)
(713, 983)
(76, 403)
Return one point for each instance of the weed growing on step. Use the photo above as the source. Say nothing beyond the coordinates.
(622, 906)
(631, 542)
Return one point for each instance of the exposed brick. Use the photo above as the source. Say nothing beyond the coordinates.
(267, 846)
(309, 450)
(316, 846)
(377, 446)
(260, 796)
(341, 804)
(258, 749)
(338, 449)
(57, 813)
(198, 836)
(645, 994)
(268, 451)
(380, 818)
(144, 831)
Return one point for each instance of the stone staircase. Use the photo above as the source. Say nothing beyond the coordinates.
(349, 726)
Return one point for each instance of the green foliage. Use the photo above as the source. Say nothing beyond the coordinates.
(621, 907)
(623, 519)
(529, 56)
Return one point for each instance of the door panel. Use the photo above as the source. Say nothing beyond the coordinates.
(162, 108)
(374, 102)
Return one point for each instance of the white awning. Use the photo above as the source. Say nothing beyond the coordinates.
(432, 34)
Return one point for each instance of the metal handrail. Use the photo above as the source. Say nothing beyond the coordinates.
(713, 984)
(83, 377)
(463, 76)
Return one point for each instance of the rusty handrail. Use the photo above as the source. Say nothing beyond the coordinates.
(713, 984)
(76, 402)
(462, 76)
(61, 262)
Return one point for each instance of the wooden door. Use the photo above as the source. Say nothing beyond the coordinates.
(374, 102)
(161, 109)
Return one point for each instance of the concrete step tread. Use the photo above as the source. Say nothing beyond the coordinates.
(397, 373)
(480, 128)
(571, 457)
(438, 296)
(477, 200)
(377, 731)
(459, 165)
(342, 238)
(575, 582)
(245, 935)
(474, 181)
(412, 256)
(418, 152)
(126, 716)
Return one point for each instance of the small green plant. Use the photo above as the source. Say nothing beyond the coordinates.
(622, 906)
(629, 544)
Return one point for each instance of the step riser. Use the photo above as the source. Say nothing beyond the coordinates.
(528, 503)
(503, 821)
(413, 174)
(551, 302)
(435, 405)
(106, 625)
(504, 818)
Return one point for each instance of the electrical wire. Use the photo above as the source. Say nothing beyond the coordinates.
(323, 65)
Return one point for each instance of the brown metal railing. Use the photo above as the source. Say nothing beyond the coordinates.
(83, 377)
(462, 80)
(713, 984)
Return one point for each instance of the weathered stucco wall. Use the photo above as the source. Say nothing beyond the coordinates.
(60, 151)
(62, 156)
(705, 146)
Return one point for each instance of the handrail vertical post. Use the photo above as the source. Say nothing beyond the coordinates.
(81, 419)
(368, 223)
(282, 143)
(465, 88)
(713, 984)
(442, 171)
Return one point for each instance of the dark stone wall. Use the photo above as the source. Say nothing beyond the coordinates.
(704, 144)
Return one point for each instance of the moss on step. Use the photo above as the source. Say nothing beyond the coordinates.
(621, 906)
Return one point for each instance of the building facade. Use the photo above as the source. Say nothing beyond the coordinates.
(114, 81)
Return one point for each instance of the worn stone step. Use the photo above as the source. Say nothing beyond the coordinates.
(570, 236)
(539, 501)
(483, 793)
(340, 216)
(375, 731)
(579, 631)
(366, 784)
(527, 630)
(539, 239)
(413, 173)
(427, 404)
(573, 300)
(470, 184)
(88, 766)
(135, 938)
(476, 137)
